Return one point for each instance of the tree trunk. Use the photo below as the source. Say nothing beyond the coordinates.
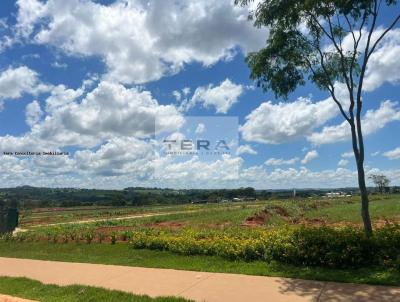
(359, 155)
(364, 200)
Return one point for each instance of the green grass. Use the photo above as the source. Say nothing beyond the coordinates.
(380, 208)
(222, 217)
(214, 217)
(30, 289)
(121, 254)
(330, 210)
(70, 215)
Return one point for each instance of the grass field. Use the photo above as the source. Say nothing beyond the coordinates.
(37, 217)
(68, 241)
(277, 213)
(121, 254)
(30, 289)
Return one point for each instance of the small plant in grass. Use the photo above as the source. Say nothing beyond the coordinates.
(72, 235)
(20, 237)
(54, 238)
(113, 238)
(101, 237)
(89, 237)
(7, 236)
(125, 236)
(65, 238)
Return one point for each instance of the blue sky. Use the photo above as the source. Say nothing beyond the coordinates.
(90, 78)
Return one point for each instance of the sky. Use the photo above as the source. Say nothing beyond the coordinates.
(104, 83)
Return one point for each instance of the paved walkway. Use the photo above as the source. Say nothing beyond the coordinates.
(198, 286)
(5, 298)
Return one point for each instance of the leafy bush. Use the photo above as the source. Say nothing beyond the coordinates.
(302, 246)
(327, 247)
(89, 236)
(101, 237)
(113, 238)
(347, 247)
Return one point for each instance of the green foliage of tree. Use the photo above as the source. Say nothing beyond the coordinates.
(306, 43)
(380, 181)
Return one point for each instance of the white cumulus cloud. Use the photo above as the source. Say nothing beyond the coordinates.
(279, 123)
(14, 82)
(245, 149)
(200, 128)
(141, 41)
(221, 97)
(372, 121)
(280, 161)
(393, 154)
(311, 155)
(349, 154)
(33, 113)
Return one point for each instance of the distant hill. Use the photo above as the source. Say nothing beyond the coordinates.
(30, 197)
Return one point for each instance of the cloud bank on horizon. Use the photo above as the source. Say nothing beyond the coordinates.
(91, 77)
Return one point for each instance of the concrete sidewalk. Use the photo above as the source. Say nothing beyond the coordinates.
(198, 286)
(5, 298)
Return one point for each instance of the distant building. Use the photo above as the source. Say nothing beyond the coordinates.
(200, 201)
(337, 194)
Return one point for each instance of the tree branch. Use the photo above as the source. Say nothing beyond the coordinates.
(353, 59)
(331, 87)
(342, 59)
(383, 35)
(350, 29)
(360, 85)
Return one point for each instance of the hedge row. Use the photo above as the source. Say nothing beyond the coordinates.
(327, 247)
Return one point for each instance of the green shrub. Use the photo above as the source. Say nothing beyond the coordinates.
(388, 240)
(101, 237)
(89, 237)
(304, 246)
(113, 238)
(125, 236)
(6, 236)
(65, 237)
(324, 246)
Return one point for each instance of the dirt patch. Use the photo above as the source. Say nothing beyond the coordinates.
(112, 229)
(314, 222)
(319, 222)
(378, 223)
(257, 219)
(221, 225)
(167, 225)
(36, 221)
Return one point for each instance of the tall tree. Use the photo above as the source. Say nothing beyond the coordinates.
(380, 181)
(306, 41)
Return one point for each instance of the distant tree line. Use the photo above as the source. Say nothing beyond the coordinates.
(32, 197)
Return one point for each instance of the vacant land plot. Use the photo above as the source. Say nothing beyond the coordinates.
(46, 216)
(311, 238)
